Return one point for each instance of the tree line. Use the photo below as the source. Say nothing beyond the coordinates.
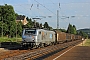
(9, 27)
(72, 30)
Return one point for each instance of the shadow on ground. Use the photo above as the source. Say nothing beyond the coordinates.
(11, 46)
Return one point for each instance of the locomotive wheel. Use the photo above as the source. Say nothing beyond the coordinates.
(36, 46)
(52, 43)
(41, 45)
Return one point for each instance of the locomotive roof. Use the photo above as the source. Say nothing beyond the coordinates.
(38, 29)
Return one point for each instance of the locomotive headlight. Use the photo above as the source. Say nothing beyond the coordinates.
(33, 38)
(23, 37)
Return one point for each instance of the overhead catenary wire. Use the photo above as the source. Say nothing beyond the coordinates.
(31, 6)
(45, 7)
(59, 5)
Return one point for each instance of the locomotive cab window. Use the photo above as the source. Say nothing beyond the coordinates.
(30, 32)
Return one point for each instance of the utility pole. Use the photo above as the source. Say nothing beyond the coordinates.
(57, 19)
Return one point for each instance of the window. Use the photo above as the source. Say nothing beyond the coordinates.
(30, 31)
(39, 32)
(50, 36)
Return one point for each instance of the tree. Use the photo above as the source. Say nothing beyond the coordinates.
(71, 29)
(30, 23)
(45, 25)
(41, 25)
(83, 34)
(74, 28)
(7, 16)
(0, 28)
(62, 30)
(19, 29)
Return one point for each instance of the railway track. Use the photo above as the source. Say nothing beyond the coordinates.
(35, 53)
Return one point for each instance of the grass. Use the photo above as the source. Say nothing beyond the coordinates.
(87, 43)
(6, 39)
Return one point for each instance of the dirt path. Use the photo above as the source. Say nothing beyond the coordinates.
(2, 50)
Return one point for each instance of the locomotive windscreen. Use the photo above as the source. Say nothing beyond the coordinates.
(28, 31)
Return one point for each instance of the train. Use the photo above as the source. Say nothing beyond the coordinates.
(41, 37)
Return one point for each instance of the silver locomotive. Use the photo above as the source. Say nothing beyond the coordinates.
(37, 37)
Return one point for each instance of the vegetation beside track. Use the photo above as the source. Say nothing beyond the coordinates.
(7, 43)
(87, 43)
(6, 39)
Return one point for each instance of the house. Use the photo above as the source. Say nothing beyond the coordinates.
(21, 18)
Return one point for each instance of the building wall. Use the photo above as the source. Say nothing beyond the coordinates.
(24, 22)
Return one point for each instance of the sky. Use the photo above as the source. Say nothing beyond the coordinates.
(75, 12)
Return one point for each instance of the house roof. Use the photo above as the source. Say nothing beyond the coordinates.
(20, 17)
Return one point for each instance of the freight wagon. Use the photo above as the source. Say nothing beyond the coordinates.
(72, 37)
(60, 36)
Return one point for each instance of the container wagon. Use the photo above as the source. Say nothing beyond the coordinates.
(60, 37)
(68, 37)
(72, 37)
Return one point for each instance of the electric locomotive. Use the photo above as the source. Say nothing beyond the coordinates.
(37, 37)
